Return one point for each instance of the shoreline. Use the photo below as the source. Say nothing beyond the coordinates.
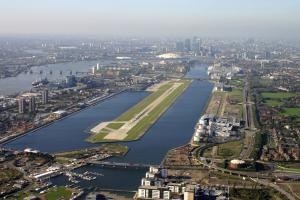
(15, 137)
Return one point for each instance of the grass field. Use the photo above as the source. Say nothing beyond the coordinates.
(291, 112)
(230, 149)
(225, 150)
(141, 116)
(278, 95)
(276, 99)
(113, 149)
(273, 103)
(233, 106)
(115, 125)
(58, 193)
(236, 95)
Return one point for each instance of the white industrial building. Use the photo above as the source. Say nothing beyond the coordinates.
(210, 126)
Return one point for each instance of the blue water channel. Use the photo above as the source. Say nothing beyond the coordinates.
(174, 128)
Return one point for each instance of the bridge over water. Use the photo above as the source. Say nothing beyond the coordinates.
(122, 165)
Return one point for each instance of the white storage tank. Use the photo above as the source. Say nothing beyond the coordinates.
(196, 139)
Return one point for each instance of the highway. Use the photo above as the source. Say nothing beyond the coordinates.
(261, 178)
(249, 119)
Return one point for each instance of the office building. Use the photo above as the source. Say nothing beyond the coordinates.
(187, 45)
(21, 105)
(45, 97)
(31, 106)
(179, 46)
(94, 70)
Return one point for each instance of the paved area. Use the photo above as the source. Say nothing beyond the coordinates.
(122, 132)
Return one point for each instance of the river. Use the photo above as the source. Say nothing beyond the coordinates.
(53, 72)
(174, 128)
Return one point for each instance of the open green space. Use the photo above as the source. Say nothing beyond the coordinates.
(54, 193)
(230, 149)
(236, 95)
(115, 125)
(113, 149)
(207, 153)
(291, 112)
(58, 193)
(278, 95)
(226, 150)
(273, 103)
(97, 137)
(116, 148)
(236, 82)
(142, 126)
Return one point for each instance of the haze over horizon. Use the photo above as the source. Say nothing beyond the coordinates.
(172, 18)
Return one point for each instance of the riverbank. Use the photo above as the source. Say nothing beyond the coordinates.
(36, 128)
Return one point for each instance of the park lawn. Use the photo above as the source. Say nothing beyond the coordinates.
(291, 112)
(139, 129)
(237, 92)
(236, 82)
(115, 125)
(278, 95)
(143, 104)
(58, 193)
(273, 103)
(230, 149)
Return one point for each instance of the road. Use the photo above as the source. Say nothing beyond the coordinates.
(249, 119)
(274, 186)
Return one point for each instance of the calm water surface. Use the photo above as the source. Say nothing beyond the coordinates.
(173, 129)
(23, 81)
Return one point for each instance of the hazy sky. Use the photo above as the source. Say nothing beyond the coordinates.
(255, 18)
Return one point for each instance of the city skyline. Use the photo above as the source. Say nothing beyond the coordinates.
(265, 19)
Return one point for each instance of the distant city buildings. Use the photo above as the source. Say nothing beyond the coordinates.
(187, 45)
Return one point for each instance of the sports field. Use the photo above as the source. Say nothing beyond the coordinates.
(132, 124)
